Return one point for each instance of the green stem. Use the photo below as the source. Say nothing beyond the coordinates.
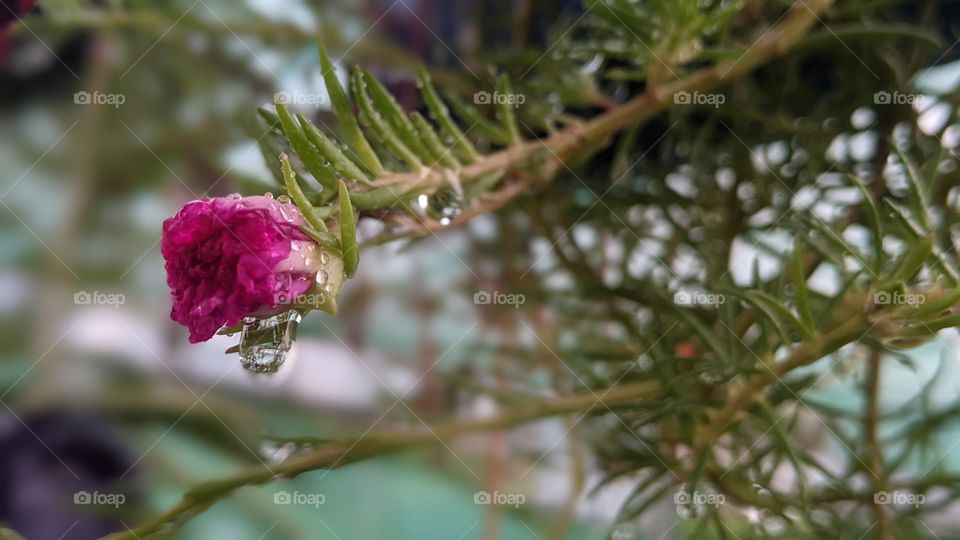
(565, 144)
(342, 453)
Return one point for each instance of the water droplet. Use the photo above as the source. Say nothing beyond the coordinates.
(445, 205)
(322, 276)
(285, 213)
(307, 261)
(234, 196)
(264, 343)
(324, 258)
(268, 195)
(294, 246)
(284, 199)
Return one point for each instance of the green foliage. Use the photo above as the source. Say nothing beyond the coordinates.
(691, 239)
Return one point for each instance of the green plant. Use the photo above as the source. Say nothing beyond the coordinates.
(703, 367)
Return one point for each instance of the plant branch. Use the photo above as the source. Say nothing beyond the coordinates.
(338, 454)
(871, 422)
(551, 153)
(742, 395)
(564, 145)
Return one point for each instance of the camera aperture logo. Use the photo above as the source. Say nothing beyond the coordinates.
(899, 498)
(697, 498)
(684, 297)
(499, 98)
(298, 498)
(99, 98)
(97, 298)
(299, 98)
(499, 498)
(698, 98)
(497, 298)
(99, 499)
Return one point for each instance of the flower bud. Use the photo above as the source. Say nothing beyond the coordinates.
(233, 257)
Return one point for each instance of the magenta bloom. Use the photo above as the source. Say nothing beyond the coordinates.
(228, 258)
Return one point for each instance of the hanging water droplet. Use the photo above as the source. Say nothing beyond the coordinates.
(264, 343)
(445, 205)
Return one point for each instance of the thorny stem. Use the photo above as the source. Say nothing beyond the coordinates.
(563, 145)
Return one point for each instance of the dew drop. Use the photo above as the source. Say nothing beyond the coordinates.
(322, 276)
(284, 199)
(264, 343)
(285, 214)
(445, 205)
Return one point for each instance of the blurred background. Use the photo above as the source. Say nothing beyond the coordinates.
(111, 119)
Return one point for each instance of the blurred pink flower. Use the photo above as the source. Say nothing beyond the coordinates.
(230, 257)
(10, 12)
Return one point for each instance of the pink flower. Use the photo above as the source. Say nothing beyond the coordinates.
(230, 257)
